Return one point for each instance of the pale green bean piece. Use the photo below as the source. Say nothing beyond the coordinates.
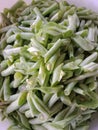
(32, 107)
(60, 115)
(56, 108)
(89, 59)
(83, 43)
(53, 100)
(13, 97)
(57, 75)
(7, 89)
(5, 29)
(53, 50)
(69, 88)
(28, 114)
(83, 76)
(3, 65)
(38, 13)
(12, 107)
(40, 106)
(24, 108)
(8, 71)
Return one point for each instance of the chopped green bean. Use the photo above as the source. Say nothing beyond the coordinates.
(48, 65)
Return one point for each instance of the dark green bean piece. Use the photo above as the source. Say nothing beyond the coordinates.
(4, 19)
(17, 5)
(37, 127)
(26, 11)
(3, 43)
(84, 12)
(22, 98)
(24, 120)
(12, 127)
(89, 17)
(56, 108)
(50, 9)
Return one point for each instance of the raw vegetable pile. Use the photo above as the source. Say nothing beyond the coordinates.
(48, 66)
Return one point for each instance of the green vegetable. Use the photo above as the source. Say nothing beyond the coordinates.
(48, 65)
